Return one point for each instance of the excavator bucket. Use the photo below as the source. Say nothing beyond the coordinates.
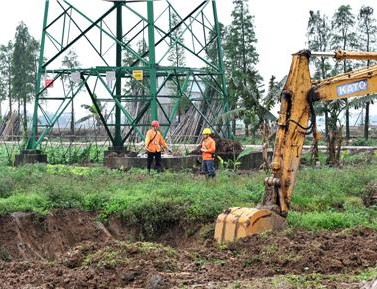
(236, 223)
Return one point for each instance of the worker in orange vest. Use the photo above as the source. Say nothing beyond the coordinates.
(154, 145)
(208, 148)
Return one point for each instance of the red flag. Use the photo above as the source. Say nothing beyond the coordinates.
(49, 83)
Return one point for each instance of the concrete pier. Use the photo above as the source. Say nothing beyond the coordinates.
(248, 162)
(30, 157)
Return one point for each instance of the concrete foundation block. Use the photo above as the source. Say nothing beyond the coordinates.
(30, 157)
(248, 162)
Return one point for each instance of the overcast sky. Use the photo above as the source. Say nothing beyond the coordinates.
(280, 25)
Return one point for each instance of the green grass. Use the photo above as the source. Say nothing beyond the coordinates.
(57, 153)
(324, 198)
(156, 200)
(363, 142)
(74, 154)
(333, 220)
(7, 154)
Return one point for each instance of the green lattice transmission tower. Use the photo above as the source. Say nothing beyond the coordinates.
(127, 71)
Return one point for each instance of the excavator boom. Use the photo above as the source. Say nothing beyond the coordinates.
(296, 109)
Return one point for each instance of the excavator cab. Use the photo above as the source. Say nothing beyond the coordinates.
(296, 109)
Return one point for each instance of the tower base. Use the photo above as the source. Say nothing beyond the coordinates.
(30, 157)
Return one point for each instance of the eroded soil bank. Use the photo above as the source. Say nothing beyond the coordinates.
(71, 249)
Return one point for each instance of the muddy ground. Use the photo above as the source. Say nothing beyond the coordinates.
(72, 249)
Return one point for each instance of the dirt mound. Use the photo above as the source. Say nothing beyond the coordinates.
(26, 236)
(71, 249)
(297, 252)
(223, 147)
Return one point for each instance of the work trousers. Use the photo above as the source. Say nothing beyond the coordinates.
(157, 157)
(208, 168)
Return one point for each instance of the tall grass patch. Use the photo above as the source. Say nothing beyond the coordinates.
(331, 220)
(323, 198)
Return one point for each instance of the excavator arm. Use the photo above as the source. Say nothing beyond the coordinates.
(296, 120)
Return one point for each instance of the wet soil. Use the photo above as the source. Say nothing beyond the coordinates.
(72, 249)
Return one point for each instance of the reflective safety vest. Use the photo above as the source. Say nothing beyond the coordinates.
(208, 148)
(154, 142)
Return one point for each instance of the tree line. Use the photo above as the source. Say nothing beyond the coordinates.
(18, 70)
(343, 30)
(346, 31)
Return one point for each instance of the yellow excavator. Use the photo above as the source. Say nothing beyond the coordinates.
(296, 108)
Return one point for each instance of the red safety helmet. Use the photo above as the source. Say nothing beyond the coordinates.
(155, 123)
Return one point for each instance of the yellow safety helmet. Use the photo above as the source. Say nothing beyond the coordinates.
(207, 131)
